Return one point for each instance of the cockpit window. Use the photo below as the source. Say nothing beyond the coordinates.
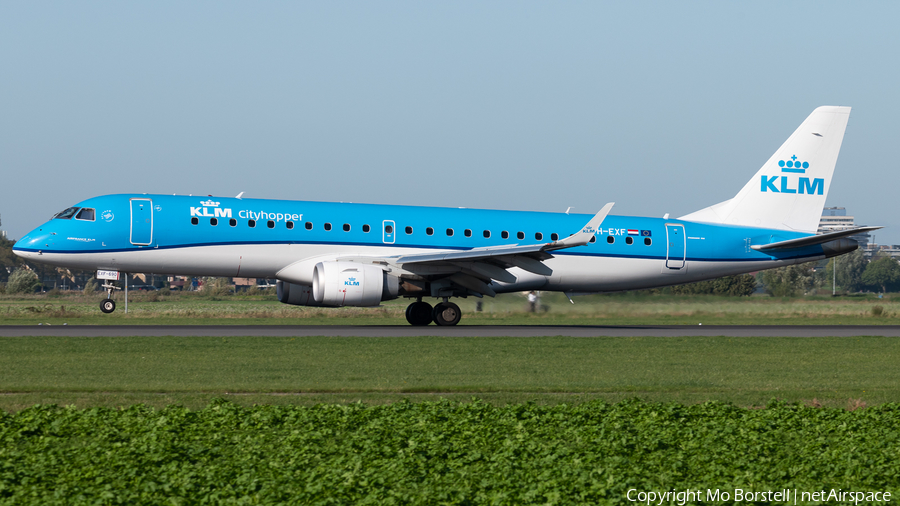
(66, 215)
(86, 214)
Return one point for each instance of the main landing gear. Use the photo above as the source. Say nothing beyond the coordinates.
(444, 313)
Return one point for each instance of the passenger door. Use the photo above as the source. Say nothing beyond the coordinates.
(675, 246)
(141, 222)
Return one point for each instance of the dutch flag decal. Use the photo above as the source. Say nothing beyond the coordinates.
(632, 231)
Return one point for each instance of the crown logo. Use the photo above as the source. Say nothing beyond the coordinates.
(209, 203)
(793, 165)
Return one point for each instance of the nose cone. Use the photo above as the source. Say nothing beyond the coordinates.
(30, 245)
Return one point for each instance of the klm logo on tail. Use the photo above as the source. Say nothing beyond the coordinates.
(803, 184)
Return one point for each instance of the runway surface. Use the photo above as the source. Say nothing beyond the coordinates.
(459, 331)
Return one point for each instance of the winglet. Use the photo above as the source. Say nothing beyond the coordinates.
(239, 195)
(588, 231)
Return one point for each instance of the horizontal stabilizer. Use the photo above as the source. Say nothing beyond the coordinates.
(812, 240)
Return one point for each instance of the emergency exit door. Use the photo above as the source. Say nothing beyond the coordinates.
(388, 237)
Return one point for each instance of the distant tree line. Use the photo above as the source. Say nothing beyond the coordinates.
(740, 285)
(854, 274)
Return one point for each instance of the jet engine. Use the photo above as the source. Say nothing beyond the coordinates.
(352, 284)
(337, 284)
(294, 294)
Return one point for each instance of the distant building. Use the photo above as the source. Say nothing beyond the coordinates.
(892, 250)
(835, 219)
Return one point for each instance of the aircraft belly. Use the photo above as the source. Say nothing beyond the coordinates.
(607, 274)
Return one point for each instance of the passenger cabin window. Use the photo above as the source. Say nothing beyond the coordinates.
(251, 223)
(86, 214)
(554, 236)
(66, 215)
(388, 229)
(647, 241)
(593, 238)
(194, 220)
(520, 235)
(610, 239)
(408, 230)
(468, 232)
(629, 240)
(308, 225)
(429, 231)
(366, 228)
(213, 221)
(346, 227)
(449, 232)
(270, 224)
(232, 222)
(487, 234)
(539, 236)
(289, 225)
(327, 227)
(504, 234)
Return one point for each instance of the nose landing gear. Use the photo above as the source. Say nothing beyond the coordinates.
(444, 313)
(108, 305)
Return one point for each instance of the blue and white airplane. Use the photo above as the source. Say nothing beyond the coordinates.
(338, 254)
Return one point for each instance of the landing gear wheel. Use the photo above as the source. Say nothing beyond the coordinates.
(446, 314)
(107, 305)
(418, 313)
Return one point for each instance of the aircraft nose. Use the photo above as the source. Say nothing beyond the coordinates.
(32, 243)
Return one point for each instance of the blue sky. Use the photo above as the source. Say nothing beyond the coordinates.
(660, 107)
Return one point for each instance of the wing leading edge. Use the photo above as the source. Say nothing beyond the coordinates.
(474, 269)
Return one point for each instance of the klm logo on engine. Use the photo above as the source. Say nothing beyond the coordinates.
(351, 282)
(787, 184)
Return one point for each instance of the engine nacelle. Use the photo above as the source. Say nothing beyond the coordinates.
(352, 284)
(294, 294)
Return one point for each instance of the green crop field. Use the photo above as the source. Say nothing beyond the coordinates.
(444, 453)
(616, 309)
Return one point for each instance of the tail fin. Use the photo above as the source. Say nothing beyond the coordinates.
(789, 190)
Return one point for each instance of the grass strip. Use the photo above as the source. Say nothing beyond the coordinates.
(509, 309)
(746, 371)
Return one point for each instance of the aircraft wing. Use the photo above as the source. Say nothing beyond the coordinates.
(474, 269)
(811, 240)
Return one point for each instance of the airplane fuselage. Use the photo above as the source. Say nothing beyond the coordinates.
(214, 236)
